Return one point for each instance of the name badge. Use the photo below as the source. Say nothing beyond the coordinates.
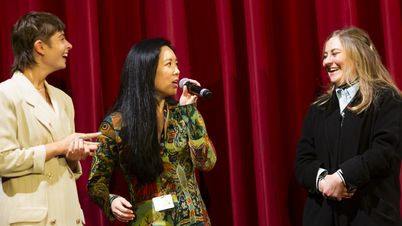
(163, 202)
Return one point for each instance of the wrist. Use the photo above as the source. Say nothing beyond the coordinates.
(321, 174)
(52, 150)
(112, 197)
(340, 176)
(320, 181)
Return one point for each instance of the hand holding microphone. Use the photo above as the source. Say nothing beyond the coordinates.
(194, 88)
(191, 91)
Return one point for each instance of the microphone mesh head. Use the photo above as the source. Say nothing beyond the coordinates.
(182, 82)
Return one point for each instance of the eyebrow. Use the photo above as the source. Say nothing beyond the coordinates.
(334, 49)
(61, 34)
(168, 59)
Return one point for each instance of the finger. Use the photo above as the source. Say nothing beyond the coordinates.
(123, 209)
(91, 145)
(185, 90)
(195, 82)
(126, 204)
(350, 195)
(71, 146)
(90, 150)
(76, 145)
(81, 147)
(124, 219)
(122, 213)
(119, 216)
(88, 136)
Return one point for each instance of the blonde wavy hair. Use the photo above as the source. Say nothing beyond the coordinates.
(365, 64)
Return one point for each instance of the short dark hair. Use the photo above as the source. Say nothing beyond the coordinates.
(26, 31)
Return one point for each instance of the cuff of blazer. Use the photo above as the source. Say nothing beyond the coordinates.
(39, 159)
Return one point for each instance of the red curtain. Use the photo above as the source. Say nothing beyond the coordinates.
(262, 60)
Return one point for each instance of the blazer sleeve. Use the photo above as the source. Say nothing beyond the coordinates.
(306, 163)
(202, 150)
(103, 163)
(384, 148)
(14, 160)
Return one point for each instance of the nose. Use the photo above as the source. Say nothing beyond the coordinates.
(326, 61)
(69, 45)
(177, 71)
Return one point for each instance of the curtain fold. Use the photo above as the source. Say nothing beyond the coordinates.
(236, 104)
(260, 58)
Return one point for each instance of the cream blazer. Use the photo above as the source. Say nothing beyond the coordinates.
(35, 191)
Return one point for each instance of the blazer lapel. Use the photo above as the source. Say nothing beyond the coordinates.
(40, 109)
(60, 119)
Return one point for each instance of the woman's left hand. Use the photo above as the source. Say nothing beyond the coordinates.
(186, 96)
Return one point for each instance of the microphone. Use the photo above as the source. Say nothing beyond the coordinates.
(195, 89)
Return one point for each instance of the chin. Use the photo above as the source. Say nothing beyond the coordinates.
(63, 66)
(335, 79)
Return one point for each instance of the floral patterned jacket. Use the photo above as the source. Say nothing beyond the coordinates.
(185, 146)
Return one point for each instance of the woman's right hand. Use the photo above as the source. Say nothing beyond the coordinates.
(121, 209)
(80, 147)
(332, 187)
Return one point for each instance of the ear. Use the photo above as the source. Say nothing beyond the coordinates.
(39, 47)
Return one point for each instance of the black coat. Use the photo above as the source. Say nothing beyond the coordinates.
(367, 148)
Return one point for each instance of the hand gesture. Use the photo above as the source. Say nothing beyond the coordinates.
(121, 209)
(80, 147)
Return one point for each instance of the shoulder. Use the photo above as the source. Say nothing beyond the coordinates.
(111, 126)
(386, 96)
(8, 86)
(315, 108)
(113, 119)
(10, 93)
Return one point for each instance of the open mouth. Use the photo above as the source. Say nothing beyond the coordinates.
(331, 69)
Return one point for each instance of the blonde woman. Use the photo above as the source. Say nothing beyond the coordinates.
(348, 156)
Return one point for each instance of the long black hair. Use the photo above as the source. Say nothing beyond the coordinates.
(137, 105)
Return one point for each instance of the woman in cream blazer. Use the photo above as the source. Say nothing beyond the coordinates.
(39, 151)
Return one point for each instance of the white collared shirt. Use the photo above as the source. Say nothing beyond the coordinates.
(345, 95)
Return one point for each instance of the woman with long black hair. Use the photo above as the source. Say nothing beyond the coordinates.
(156, 141)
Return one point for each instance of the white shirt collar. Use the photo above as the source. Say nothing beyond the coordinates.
(345, 95)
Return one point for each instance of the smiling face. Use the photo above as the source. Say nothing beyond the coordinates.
(167, 73)
(55, 51)
(335, 61)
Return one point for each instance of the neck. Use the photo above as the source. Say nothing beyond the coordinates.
(347, 85)
(36, 77)
(160, 103)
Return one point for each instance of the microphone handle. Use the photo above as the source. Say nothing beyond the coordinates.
(194, 89)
